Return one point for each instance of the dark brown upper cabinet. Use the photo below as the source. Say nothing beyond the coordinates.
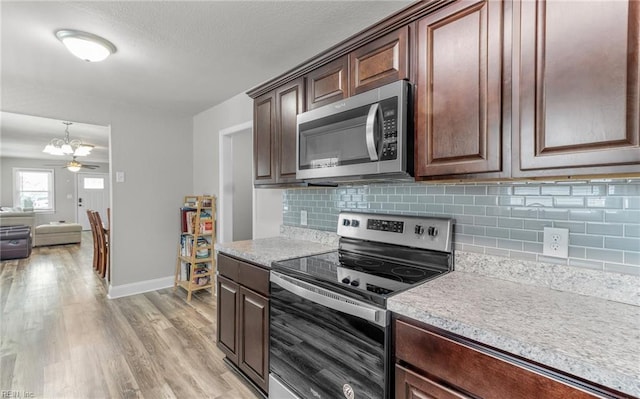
(264, 128)
(382, 61)
(459, 90)
(274, 137)
(328, 83)
(577, 87)
(289, 103)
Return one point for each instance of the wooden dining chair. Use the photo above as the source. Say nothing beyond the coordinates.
(94, 233)
(103, 245)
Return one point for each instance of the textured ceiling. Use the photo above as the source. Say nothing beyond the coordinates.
(178, 56)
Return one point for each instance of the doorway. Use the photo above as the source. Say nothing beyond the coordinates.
(236, 183)
(92, 193)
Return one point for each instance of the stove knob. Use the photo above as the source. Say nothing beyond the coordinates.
(346, 222)
(419, 230)
(432, 231)
(355, 223)
(346, 280)
(355, 283)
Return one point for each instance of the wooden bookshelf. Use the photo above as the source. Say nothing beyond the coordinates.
(197, 237)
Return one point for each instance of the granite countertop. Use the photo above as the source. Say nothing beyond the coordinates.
(263, 251)
(589, 337)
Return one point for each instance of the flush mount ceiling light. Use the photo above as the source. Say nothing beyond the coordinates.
(67, 146)
(86, 46)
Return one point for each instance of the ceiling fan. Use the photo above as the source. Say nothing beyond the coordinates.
(75, 166)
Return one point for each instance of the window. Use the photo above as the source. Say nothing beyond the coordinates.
(93, 183)
(33, 187)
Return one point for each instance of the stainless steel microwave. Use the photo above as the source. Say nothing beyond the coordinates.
(367, 136)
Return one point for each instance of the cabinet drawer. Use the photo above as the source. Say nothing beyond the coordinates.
(254, 277)
(228, 267)
(482, 374)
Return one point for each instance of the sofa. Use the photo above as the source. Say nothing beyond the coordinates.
(18, 217)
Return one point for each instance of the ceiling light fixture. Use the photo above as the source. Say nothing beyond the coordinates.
(86, 46)
(67, 146)
(74, 166)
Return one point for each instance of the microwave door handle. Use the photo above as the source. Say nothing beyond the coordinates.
(370, 131)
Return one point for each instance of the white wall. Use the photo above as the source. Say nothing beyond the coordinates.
(154, 149)
(206, 126)
(64, 186)
(242, 144)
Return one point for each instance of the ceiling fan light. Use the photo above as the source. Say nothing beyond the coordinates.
(73, 168)
(86, 46)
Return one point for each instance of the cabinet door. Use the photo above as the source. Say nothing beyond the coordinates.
(328, 83)
(459, 90)
(254, 337)
(264, 125)
(410, 385)
(289, 103)
(227, 320)
(382, 61)
(578, 85)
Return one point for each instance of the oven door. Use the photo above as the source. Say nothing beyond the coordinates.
(324, 345)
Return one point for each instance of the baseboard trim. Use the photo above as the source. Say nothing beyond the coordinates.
(119, 291)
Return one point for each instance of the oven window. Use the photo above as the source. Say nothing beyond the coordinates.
(316, 350)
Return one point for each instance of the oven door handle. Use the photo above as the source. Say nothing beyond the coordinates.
(370, 131)
(330, 299)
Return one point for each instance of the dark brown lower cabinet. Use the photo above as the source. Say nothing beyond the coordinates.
(431, 363)
(243, 317)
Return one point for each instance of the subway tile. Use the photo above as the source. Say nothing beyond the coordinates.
(466, 219)
(631, 189)
(538, 201)
(511, 223)
(631, 203)
(458, 246)
(553, 214)
(523, 235)
(418, 207)
(388, 206)
(568, 202)
(352, 191)
(625, 244)
(532, 247)
(412, 199)
(453, 209)
(345, 197)
(511, 201)
(464, 239)
(605, 202)
(632, 257)
(419, 190)
(435, 190)
(499, 190)
(389, 190)
(395, 198)
(363, 205)
(375, 190)
(426, 199)
(486, 221)
(357, 197)
(510, 244)
(463, 199)
(523, 255)
(370, 197)
(473, 230)
(632, 230)
(435, 208)
(624, 216)
(351, 205)
(573, 227)
(497, 232)
(485, 200)
(473, 248)
(605, 229)
(404, 207)
(403, 190)
(444, 199)
(498, 211)
(622, 269)
(535, 224)
(526, 190)
(474, 210)
(552, 259)
(484, 241)
(605, 255)
(591, 215)
(375, 205)
(475, 190)
(585, 190)
(586, 264)
(497, 252)
(585, 240)
(451, 189)
(529, 213)
(555, 190)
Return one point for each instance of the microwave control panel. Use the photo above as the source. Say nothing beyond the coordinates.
(389, 129)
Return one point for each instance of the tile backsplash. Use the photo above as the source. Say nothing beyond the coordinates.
(505, 219)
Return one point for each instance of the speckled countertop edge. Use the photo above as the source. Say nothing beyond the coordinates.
(565, 331)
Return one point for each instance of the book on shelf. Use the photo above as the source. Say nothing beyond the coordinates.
(202, 246)
(188, 218)
(201, 268)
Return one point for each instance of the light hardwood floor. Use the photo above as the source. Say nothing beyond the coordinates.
(62, 338)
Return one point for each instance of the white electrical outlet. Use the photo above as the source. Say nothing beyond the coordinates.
(303, 218)
(556, 242)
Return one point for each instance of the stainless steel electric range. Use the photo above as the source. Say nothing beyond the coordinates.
(330, 333)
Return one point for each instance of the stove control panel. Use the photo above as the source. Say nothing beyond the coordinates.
(411, 231)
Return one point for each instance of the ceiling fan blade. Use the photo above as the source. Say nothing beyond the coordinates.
(89, 166)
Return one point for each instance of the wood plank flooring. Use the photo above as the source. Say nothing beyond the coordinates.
(60, 337)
